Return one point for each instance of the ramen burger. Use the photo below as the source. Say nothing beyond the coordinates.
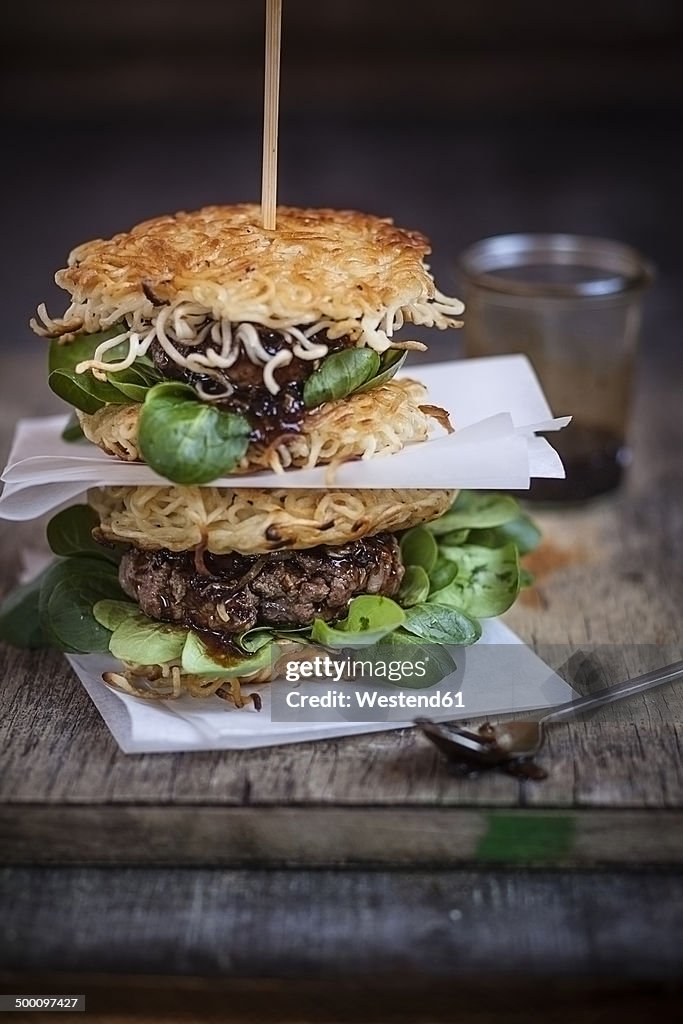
(204, 345)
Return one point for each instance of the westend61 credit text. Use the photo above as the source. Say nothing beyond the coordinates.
(374, 699)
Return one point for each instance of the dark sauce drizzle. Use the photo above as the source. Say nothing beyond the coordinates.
(270, 416)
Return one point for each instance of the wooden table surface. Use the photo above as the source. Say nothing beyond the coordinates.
(606, 605)
(94, 842)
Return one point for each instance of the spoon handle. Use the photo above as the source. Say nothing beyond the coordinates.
(617, 692)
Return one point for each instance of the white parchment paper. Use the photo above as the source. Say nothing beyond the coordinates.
(499, 674)
(496, 405)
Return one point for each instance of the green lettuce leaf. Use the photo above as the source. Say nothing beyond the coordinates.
(135, 381)
(439, 660)
(254, 639)
(454, 537)
(70, 533)
(390, 363)
(415, 587)
(67, 355)
(84, 391)
(440, 624)
(418, 547)
(369, 618)
(443, 572)
(145, 641)
(70, 588)
(111, 614)
(199, 660)
(486, 583)
(189, 441)
(476, 510)
(339, 374)
(521, 532)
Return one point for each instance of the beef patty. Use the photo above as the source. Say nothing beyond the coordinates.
(268, 415)
(236, 592)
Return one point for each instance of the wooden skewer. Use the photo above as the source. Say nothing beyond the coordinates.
(271, 104)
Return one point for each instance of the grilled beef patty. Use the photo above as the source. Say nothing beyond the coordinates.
(282, 589)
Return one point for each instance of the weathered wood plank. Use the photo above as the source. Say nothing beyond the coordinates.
(343, 924)
(57, 750)
(310, 836)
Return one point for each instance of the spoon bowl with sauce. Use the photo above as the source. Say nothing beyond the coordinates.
(514, 743)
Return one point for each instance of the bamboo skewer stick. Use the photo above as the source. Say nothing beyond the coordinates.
(271, 105)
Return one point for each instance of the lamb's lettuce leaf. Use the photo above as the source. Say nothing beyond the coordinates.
(138, 639)
(144, 641)
(189, 441)
(439, 624)
(252, 640)
(476, 509)
(521, 532)
(450, 582)
(70, 533)
(390, 363)
(200, 660)
(111, 614)
(486, 582)
(368, 619)
(339, 374)
(66, 355)
(135, 381)
(418, 547)
(443, 572)
(350, 371)
(415, 586)
(69, 590)
(85, 391)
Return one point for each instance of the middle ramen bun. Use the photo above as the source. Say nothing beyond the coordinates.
(254, 521)
(380, 422)
(204, 344)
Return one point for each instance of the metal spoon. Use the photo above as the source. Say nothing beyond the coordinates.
(495, 744)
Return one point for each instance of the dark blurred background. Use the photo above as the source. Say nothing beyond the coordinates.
(461, 119)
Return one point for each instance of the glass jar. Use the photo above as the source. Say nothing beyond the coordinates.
(573, 305)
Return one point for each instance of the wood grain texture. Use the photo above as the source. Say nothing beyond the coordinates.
(606, 606)
(117, 834)
(337, 924)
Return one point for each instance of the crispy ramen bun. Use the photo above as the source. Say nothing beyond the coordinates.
(351, 273)
(257, 521)
(377, 422)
